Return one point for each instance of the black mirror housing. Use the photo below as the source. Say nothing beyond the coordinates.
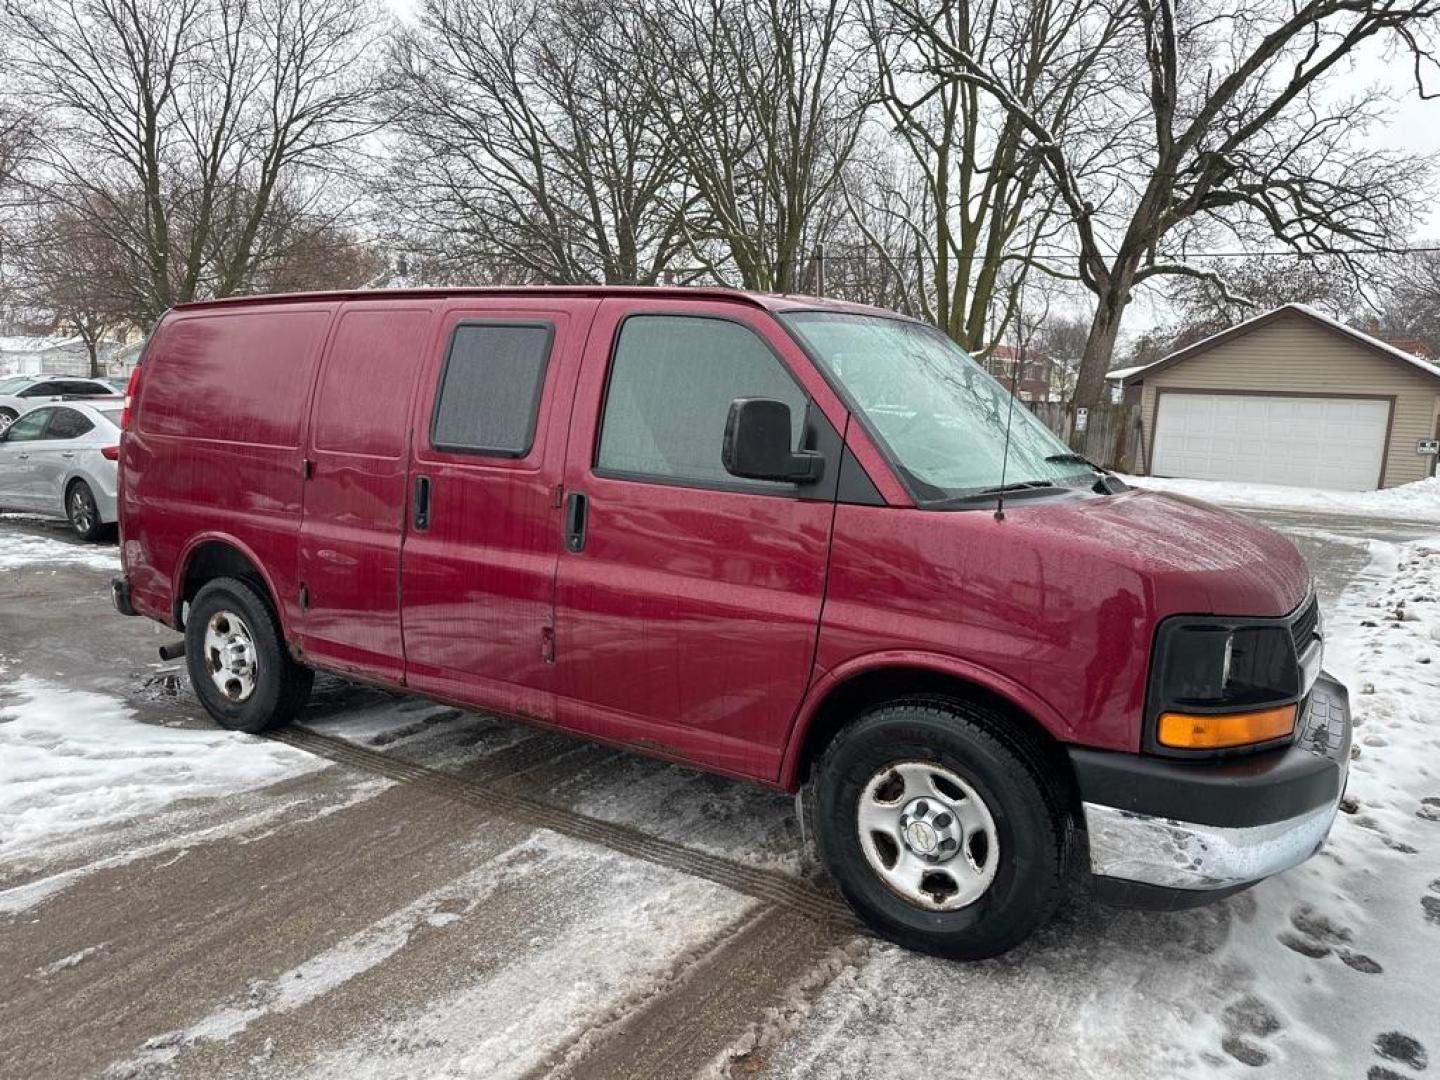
(757, 444)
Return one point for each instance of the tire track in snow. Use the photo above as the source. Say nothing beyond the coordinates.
(768, 886)
(715, 1003)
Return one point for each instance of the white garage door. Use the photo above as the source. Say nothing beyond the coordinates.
(1309, 442)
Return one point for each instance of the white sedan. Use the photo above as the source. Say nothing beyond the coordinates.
(60, 459)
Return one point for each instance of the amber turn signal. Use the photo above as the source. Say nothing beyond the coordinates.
(1186, 731)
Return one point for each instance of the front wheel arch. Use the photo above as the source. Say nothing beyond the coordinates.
(851, 697)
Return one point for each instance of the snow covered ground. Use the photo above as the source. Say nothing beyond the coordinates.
(1419, 501)
(72, 762)
(43, 554)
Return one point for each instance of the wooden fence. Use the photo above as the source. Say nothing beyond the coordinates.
(1111, 435)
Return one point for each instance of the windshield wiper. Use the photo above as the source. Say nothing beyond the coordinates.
(1018, 485)
(990, 493)
(1107, 483)
(1074, 459)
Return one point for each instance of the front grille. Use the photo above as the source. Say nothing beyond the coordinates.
(1305, 624)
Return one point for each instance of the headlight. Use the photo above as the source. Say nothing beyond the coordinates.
(1220, 683)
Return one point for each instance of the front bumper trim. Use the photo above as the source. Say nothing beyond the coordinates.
(1176, 854)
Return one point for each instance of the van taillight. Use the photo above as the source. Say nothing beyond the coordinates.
(132, 390)
(110, 453)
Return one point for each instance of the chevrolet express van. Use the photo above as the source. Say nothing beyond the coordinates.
(783, 539)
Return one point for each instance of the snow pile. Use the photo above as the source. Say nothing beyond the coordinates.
(1419, 501)
(72, 761)
(19, 550)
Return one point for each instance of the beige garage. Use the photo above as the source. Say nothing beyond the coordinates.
(1290, 397)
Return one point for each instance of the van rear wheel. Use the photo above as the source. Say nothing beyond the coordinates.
(938, 823)
(237, 660)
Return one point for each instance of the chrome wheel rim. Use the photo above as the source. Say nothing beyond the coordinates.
(82, 510)
(230, 656)
(928, 835)
(6, 420)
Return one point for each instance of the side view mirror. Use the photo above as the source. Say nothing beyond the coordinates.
(757, 444)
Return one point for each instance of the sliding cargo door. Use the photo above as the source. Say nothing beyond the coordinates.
(484, 523)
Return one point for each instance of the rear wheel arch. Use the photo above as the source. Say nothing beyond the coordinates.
(71, 481)
(209, 558)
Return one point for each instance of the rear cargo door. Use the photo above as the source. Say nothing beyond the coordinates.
(483, 528)
(355, 488)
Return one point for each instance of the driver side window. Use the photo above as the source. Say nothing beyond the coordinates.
(672, 379)
(29, 427)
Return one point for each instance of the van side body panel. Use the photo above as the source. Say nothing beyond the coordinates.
(214, 449)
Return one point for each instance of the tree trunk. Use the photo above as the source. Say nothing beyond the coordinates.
(95, 372)
(1090, 385)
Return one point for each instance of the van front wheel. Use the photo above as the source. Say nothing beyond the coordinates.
(237, 659)
(938, 824)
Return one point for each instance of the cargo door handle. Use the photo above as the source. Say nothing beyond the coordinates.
(577, 514)
(67, 453)
(422, 503)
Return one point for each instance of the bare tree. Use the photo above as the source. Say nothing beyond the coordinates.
(177, 124)
(525, 138)
(763, 102)
(970, 196)
(1231, 127)
(72, 275)
(1259, 283)
(1410, 301)
(16, 141)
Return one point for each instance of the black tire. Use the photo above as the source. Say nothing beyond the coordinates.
(7, 417)
(280, 685)
(82, 511)
(1004, 768)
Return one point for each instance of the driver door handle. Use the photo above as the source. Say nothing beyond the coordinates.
(577, 515)
(422, 503)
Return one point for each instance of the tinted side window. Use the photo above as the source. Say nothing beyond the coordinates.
(489, 394)
(67, 424)
(672, 380)
(85, 388)
(29, 427)
(44, 389)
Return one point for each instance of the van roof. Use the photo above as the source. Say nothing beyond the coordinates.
(767, 301)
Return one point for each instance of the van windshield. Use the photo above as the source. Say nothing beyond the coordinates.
(941, 417)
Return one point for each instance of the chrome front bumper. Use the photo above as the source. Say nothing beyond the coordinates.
(1184, 855)
(1259, 816)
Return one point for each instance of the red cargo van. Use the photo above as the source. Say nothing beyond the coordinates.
(778, 538)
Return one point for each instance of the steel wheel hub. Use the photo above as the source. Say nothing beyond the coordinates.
(230, 655)
(928, 835)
